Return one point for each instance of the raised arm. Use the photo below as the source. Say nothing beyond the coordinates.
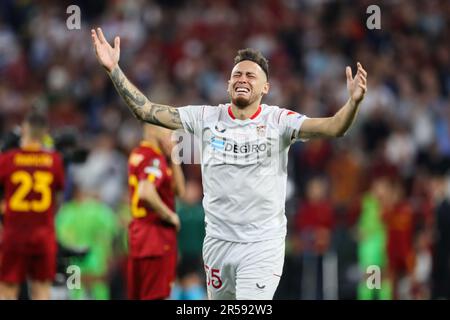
(137, 102)
(337, 125)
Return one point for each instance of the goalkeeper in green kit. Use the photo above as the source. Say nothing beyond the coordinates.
(85, 223)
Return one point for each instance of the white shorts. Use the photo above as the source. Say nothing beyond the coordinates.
(243, 271)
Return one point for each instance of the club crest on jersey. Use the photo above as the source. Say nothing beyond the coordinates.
(261, 130)
(135, 159)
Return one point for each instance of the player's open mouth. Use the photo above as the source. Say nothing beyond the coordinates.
(242, 90)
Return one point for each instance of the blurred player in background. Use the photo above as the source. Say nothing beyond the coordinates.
(245, 148)
(31, 177)
(154, 181)
(398, 216)
(373, 236)
(85, 224)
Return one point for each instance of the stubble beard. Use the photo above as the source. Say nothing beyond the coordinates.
(242, 102)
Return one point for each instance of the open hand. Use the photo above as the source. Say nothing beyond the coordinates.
(356, 86)
(107, 56)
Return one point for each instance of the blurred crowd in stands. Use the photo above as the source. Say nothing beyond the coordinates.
(378, 196)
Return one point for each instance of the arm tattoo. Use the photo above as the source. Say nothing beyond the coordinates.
(134, 98)
(141, 107)
(310, 135)
(153, 117)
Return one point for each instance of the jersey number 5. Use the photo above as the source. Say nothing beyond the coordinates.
(38, 182)
(213, 277)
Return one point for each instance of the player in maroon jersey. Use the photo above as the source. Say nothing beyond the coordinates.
(154, 181)
(30, 176)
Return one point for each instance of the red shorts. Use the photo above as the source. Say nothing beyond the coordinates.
(16, 267)
(151, 278)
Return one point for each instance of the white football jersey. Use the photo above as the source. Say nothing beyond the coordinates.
(244, 169)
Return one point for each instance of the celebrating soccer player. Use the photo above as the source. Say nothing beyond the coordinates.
(241, 142)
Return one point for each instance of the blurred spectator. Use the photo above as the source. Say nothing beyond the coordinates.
(311, 161)
(441, 243)
(314, 224)
(401, 149)
(345, 173)
(104, 172)
(420, 287)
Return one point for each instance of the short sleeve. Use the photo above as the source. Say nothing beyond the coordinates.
(192, 118)
(290, 123)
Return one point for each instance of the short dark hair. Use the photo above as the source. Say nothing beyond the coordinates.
(36, 120)
(255, 56)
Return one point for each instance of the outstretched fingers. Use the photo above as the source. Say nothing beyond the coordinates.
(94, 37)
(116, 43)
(361, 69)
(348, 73)
(101, 36)
(362, 79)
(363, 87)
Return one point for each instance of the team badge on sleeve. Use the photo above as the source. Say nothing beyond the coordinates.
(135, 159)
